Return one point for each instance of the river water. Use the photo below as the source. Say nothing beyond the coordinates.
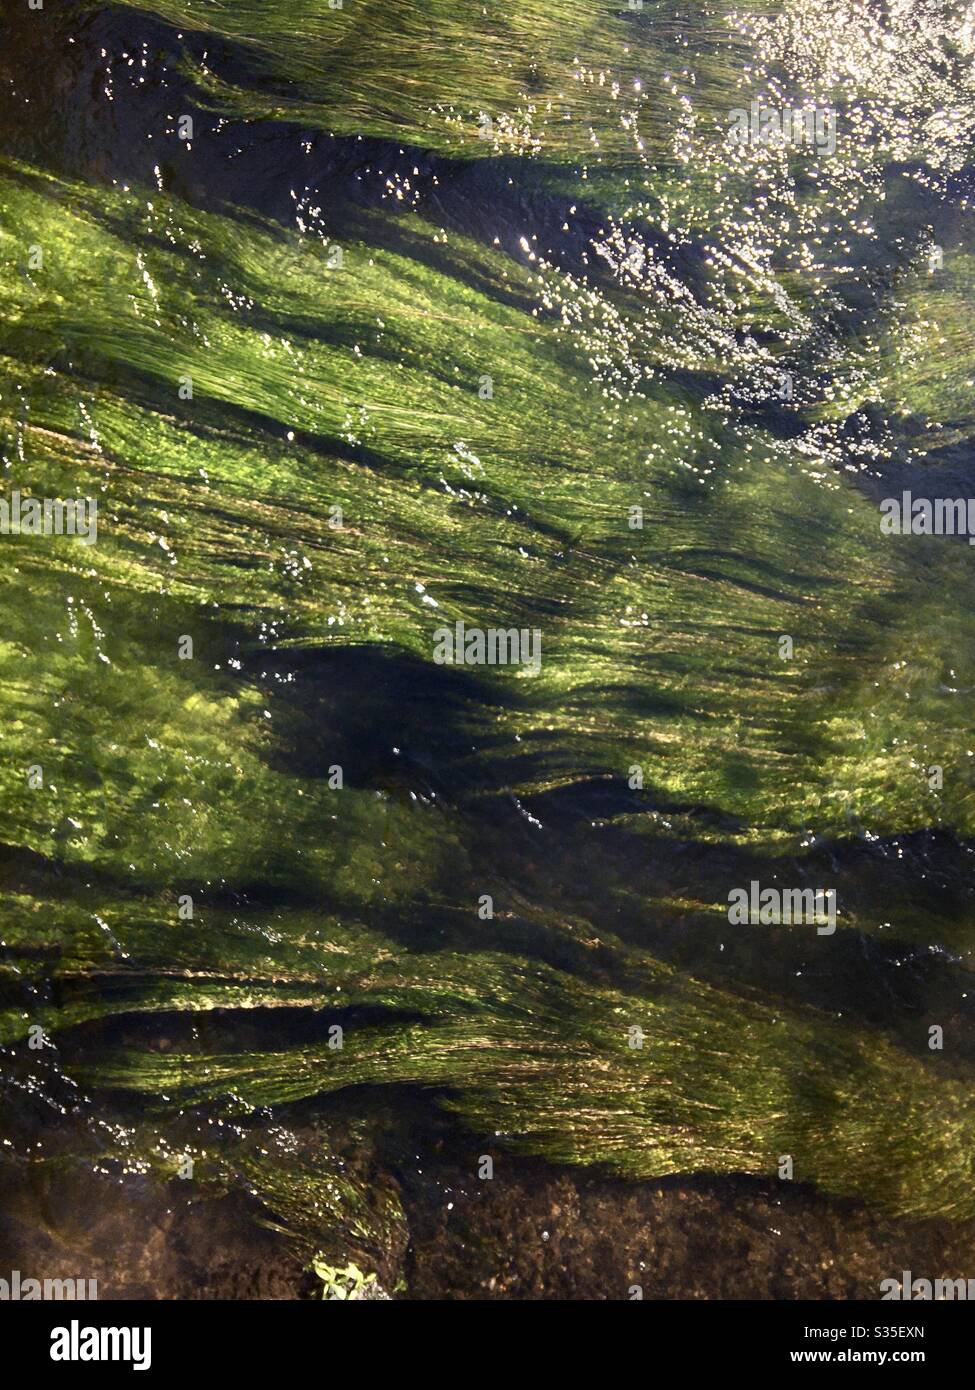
(606, 327)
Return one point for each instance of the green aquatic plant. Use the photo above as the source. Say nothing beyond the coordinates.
(345, 1284)
(561, 79)
(242, 877)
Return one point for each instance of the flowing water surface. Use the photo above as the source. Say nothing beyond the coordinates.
(360, 322)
